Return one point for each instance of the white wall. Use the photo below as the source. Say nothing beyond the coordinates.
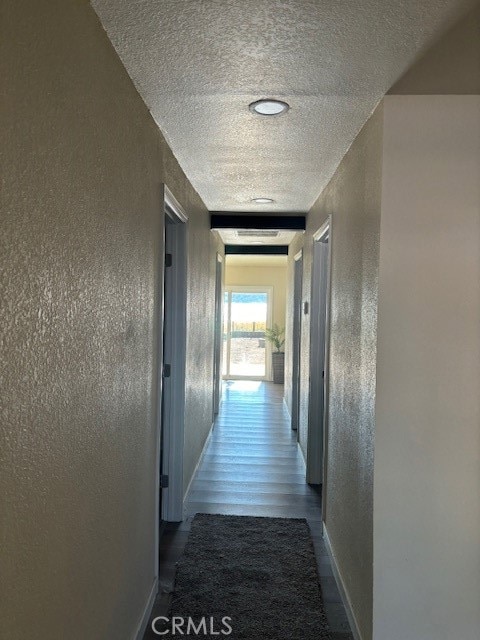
(427, 442)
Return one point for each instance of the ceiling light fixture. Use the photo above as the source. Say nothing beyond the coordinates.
(269, 107)
(263, 200)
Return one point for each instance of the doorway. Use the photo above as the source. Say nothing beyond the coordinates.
(247, 313)
(319, 333)
(171, 363)
(218, 342)
(297, 332)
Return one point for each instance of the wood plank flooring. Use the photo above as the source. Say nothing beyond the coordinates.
(252, 466)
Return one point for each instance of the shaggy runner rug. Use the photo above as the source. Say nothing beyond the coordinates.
(257, 576)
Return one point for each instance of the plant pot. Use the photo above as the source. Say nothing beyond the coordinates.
(278, 367)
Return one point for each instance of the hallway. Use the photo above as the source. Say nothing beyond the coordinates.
(252, 466)
(256, 125)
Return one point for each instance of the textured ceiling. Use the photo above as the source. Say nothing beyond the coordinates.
(199, 63)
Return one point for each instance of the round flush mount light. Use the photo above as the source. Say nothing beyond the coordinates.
(269, 107)
(263, 200)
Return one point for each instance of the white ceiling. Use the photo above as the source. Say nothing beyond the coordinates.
(199, 63)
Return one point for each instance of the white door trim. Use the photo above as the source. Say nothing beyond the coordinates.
(172, 393)
(172, 203)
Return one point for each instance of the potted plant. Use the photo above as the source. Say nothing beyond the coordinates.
(276, 336)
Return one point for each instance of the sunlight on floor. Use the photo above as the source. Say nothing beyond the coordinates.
(243, 385)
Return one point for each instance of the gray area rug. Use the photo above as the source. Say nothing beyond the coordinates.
(260, 572)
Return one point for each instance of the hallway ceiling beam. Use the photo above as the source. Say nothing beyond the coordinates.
(252, 250)
(220, 220)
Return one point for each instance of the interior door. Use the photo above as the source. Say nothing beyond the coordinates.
(318, 341)
(217, 349)
(173, 362)
(167, 351)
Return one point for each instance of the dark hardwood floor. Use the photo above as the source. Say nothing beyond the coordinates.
(252, 466)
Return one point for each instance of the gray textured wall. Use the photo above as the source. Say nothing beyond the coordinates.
(202, 248)
(81, 235)
(353, 197)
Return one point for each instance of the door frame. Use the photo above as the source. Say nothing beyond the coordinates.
(170, 431)
(218, 342)
(296, 337)
(317, 439)
(268, 289)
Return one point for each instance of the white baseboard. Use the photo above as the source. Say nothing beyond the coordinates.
(341, 586)
(142, 625)
(199, 462)
(286, 408)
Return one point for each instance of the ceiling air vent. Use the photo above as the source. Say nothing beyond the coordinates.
(257, 233)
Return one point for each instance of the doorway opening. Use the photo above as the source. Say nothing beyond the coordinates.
(319, 348)
(296, 337)
(247, 313)
(171, 332)
(218, 342)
